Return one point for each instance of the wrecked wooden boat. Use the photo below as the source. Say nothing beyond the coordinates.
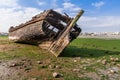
(49, 30)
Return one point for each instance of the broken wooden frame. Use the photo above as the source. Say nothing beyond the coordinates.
(49, 30)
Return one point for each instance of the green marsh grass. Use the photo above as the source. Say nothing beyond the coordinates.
(85, 48)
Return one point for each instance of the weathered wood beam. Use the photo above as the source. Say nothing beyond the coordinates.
(57, 47)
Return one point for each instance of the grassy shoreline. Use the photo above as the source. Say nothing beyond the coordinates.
(81, 60)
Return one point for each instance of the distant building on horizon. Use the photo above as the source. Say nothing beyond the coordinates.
(100, 33)
(3, 34)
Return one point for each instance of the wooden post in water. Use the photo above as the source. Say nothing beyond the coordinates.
(57, 47)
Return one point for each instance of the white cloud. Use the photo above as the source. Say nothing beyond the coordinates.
(76, 9)
(71, 8)
(68, 5)
(12, 16)
(102, 22)
(8, 3)
(47, 3)
(60, 10)
(98, 4)
(41, 3)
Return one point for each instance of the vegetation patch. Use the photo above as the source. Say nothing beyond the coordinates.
(83, 59)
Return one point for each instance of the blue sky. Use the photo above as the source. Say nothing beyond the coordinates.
(99, 16)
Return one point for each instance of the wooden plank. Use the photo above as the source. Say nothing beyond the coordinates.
(57, 47)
